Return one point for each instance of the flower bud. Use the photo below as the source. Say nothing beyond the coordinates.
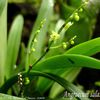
(32, 49)
(80, 10)
(64, 45)
(35, 40)
(76, 17)
(27, 81)
(72, 42)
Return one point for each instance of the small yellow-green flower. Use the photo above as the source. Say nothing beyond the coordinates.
(35, 40)
(76, 17)
(64, 45)
(86, 2)
(27, 81)
(54, 36)
(38, 31)
(68, 25)
(42, 23)
(32, 49)
(72, 42)
(80, 10)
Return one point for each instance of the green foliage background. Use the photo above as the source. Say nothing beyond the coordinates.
(57, 64)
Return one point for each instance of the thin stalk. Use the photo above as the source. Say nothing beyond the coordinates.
(46, 51)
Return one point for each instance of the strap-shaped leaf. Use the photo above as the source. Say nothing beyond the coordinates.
(8, 97)
(16, 1)
(2, 5)
(47, 83)
(59, 62)
(14, 40)
(67, 61)
(3, 38)
(67, 85)
(88, 48)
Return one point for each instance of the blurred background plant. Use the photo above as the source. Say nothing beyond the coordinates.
(59, 31)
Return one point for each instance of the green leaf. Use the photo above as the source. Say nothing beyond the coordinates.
(45, 12)
(67, 61)
(83, 29)
(67, 85)
(3, 38)
(47, 83)
(70, 75)
(14, 40)
(75, 3)
(65, 10)
(2, 5)
(16, 1)
(88, 48)
(8, 97)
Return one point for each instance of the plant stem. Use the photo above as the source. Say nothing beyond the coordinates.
(46, 51)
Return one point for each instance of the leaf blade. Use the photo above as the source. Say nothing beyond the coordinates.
(67, 85)
(14, 40)
(3, 38)
(87, 48)
(6, 97)
(67, 61)
(2, 5)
